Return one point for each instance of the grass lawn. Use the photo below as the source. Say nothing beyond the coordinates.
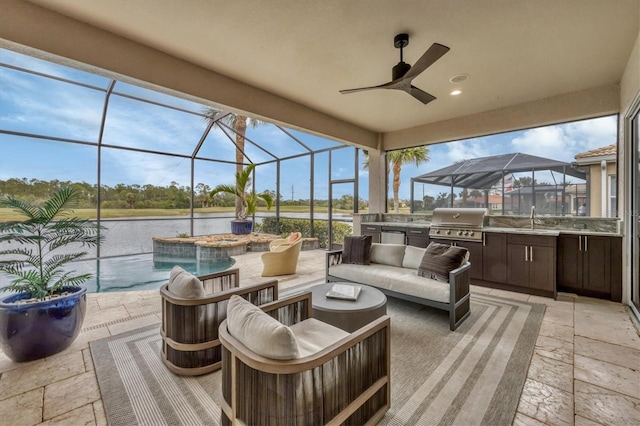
(8, 214)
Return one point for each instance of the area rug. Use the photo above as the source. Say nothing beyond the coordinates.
(472, 376)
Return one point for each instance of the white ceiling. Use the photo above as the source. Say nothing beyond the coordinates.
(514, 51)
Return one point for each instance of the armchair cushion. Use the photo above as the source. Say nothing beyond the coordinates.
(357, 250)
(440, 259)
(314, 335)
(260, 332)
(183, 284)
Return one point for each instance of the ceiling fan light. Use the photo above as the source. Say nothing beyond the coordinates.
(455, 92)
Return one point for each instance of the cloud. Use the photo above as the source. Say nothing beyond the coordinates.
(563, 141)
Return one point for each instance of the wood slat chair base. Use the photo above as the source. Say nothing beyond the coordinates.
(190, 343)
(347, 382)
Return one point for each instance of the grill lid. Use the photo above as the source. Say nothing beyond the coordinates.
(458, 217)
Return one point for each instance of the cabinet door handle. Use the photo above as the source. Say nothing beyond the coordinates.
(586, 243)
(531, 254)
(484, 239)
(579, 242)
(526, 253)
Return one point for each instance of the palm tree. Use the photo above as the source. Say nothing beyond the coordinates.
(397, 159)
(239, 123)
(247, 198)
(39, 265)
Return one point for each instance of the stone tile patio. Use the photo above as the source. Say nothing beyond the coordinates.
(585, 369)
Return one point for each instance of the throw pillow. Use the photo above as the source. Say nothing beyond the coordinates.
(413, 257)
(293, 237)
(357, 250)
(440, 259)
(388, 254)
(260, 332)
(183, 284)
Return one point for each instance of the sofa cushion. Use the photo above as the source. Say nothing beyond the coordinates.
(387, 254)
(260, 332)
(357, 250)
(399, 280)
(412, 257)
(440, 259)
(185, 285)
(313, 335)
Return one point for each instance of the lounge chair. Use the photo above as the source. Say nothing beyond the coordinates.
(192, 313)
(282, 367)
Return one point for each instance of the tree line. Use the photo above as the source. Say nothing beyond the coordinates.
(134, 196)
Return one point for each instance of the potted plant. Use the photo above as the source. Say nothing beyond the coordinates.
(248, 200)
(46, 314)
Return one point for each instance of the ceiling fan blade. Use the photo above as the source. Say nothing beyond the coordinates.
(435, 52)
(362, 89)
(420, 95)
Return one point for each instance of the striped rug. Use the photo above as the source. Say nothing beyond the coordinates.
(473, 376)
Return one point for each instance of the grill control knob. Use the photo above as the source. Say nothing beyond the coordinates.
(448, 232)
(460, 233)
(437, 231)
(471, 233)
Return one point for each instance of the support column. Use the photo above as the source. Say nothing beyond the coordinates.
(377, 180)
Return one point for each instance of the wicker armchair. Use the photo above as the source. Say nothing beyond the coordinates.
(344, 382)
(190, 344)
(282, 260)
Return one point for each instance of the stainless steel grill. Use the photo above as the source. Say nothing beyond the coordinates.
(457, 224)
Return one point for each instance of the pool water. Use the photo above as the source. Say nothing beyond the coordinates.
(139, 272)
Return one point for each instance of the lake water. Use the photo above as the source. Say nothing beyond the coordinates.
(126, 262)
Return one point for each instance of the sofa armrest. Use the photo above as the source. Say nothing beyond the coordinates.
(334, 257)
(459, 282)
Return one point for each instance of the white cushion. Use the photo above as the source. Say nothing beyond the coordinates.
(314, 335)
(387, 254)
(183, 284)
(260, 332)
(400, 280)
(413, 257)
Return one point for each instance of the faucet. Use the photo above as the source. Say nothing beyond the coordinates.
(533, 217)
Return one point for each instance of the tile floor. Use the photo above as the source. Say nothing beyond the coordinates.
(585, 369)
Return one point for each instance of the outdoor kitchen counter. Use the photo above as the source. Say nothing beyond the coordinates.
(503, 230)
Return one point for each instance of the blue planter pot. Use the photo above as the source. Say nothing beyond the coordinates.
(36, 330)
(241, 227)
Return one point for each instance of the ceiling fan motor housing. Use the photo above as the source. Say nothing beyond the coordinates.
(400, 70)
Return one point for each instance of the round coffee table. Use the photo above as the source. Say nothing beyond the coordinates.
(349, 315)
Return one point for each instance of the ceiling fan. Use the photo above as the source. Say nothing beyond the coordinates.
(404, 73)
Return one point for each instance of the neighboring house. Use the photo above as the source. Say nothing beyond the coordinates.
(601, 167)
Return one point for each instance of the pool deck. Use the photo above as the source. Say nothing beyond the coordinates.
(584, 370)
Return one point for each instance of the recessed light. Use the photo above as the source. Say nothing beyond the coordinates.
(459, 78)
(455, 92)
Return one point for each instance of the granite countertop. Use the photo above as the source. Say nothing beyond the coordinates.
(504, 230)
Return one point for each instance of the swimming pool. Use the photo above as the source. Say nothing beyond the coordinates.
(139, 272)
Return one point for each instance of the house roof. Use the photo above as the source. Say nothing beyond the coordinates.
(287, 61)
(485, 172)
(604, 151)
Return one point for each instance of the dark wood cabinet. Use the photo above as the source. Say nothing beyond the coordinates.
(531, 261)
(475, 257)
(590, 265)
(494, 257)
(373, 230)
(418, 237)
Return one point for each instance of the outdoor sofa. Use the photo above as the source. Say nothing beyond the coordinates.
(396, 269)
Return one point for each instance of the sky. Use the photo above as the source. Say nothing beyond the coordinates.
(42, 106)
